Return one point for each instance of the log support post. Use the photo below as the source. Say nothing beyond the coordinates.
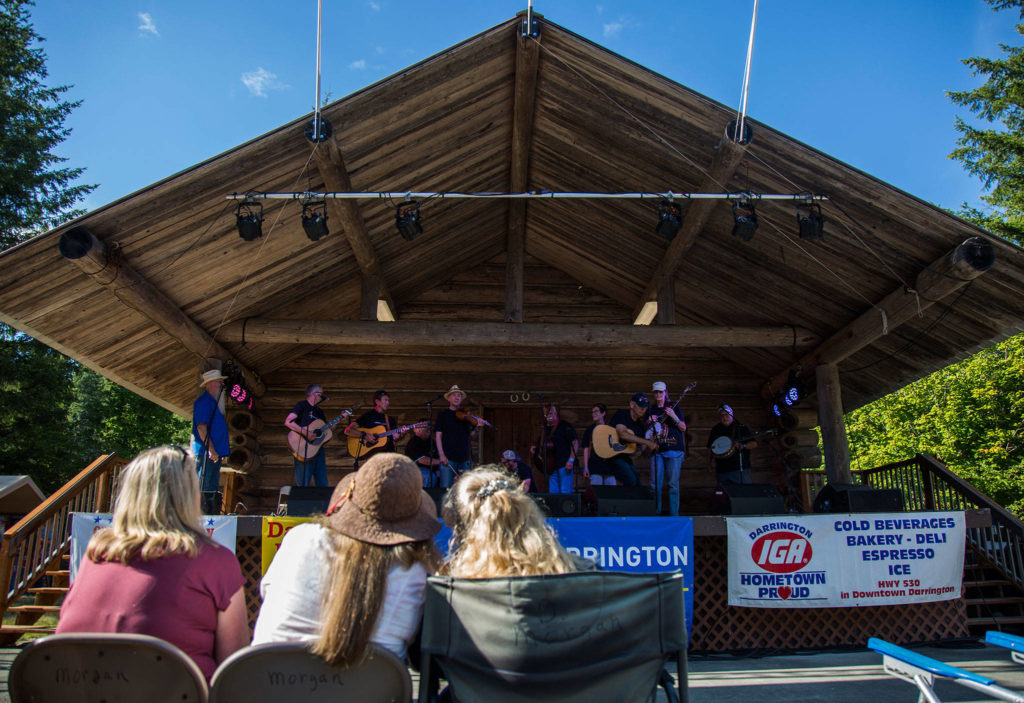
(833, 427)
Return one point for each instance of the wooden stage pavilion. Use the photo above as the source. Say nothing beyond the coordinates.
(573, 300)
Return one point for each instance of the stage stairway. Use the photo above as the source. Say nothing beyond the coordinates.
(34, 551)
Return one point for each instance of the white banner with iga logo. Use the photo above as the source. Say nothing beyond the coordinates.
(837, 561)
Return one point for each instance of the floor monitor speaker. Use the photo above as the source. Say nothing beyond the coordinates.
(559, 504)
(304, 501)
(855, 498)
(749, 499)
(618, 501)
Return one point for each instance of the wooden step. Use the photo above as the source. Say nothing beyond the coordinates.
(994, 601)
(24, 629)
(34, 609)
(983, 584)
(995, 619)
(54, 590)
(59, 572)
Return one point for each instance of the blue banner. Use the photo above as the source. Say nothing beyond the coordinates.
(636, 544)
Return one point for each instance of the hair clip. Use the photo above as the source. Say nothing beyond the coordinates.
(493, 486)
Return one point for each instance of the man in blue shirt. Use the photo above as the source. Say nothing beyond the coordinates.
(210, 441)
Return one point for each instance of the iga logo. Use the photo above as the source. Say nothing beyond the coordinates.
(781, 552)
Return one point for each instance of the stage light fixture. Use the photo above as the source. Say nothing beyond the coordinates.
(744, 219)
(314, 219)
(249, 220)
(810, 221)
(407, 220)
(794, 391)
(670, 218)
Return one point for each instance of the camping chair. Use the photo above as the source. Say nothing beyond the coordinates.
(567, 638)
(288, 671)
(921, 671)
(88, 668)
(1012, 642)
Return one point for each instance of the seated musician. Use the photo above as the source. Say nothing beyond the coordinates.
(452, 434)
(629, 424)
(732, 463)
(556, 454)
(420, 449)
(367, 426)
(517, 467)
(311, 463)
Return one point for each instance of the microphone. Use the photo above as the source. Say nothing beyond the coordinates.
(436, 397)
(324, 398)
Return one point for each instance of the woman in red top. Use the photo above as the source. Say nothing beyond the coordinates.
(154, 571)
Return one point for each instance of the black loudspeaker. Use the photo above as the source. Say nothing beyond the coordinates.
(854, 498)
(748, 499)
(438, 495)
(558, 504)
(303, 501)
(618, 501)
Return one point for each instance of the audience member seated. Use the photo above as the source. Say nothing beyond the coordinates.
(358, 575)
(497, 530)
(154, 571)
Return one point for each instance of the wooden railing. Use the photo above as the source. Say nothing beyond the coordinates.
(36, 542)
(927, 484)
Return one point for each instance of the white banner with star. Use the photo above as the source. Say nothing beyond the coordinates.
(838, 561)
(222, 529)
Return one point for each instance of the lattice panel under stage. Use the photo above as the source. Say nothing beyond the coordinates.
(719, 627)
(248, 552)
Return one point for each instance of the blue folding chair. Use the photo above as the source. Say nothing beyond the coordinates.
(921, 671)
(1012, 642)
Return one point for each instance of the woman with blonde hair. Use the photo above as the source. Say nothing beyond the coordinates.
(497, 530)
(154, 571)
(358, 575)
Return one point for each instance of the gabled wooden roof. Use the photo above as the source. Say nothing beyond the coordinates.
(502, 113)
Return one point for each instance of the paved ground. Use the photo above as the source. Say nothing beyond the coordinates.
(843, 677)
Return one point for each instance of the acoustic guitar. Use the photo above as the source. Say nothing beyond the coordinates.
(304, 449)
(358, 448)
(606, 442)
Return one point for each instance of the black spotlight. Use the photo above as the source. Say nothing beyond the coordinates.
(810, 220)
(407, 220)
(670, 219)
(794, 391)
(314, 220)
(744, 220)
(249, 220)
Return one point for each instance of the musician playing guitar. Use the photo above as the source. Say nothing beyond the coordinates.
(667, 461)
(376, 418)
(311, 463)
(630, 426)
(555, 456)
(733, 465)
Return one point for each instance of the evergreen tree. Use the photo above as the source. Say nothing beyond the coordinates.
(35, 192)
(996, 154)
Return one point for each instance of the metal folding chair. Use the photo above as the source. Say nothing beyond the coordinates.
(1012, 642)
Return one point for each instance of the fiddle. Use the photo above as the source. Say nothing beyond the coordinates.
(466, 415)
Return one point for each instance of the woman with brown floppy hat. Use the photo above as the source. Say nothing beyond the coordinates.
(357, 575)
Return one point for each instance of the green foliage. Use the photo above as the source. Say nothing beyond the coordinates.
(35, 193)
(969, 415)
(996, 154)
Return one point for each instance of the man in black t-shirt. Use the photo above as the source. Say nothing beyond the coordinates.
(419, 449)
(732, 463)
(452, 437)
(630, 426)
(377, 420)
(310, 464)
(557, 457)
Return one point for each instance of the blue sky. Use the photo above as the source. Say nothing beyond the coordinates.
(166, 85)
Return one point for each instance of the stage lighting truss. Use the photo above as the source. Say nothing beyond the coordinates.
(744, 217)
(670, 218)
(314, 219)
(810, 222)
(249, 220)
(407, 219)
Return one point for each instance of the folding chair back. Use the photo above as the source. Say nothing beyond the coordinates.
(90, 668)
(569, 638)
(288, 671)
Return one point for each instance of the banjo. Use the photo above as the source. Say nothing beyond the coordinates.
(724, 447)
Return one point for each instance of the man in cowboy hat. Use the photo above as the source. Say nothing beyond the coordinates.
(210, 441)
(452, 437)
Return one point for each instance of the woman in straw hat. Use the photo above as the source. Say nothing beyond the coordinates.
(497, 530)
(359, 574)
(154, 571)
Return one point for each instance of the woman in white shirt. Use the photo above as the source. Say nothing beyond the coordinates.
(358, 575)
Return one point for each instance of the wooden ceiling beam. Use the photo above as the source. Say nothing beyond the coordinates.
(331, 164)
(727, 158)
(81, 247)
(523, 112)
(500, 334)
(947, 274)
